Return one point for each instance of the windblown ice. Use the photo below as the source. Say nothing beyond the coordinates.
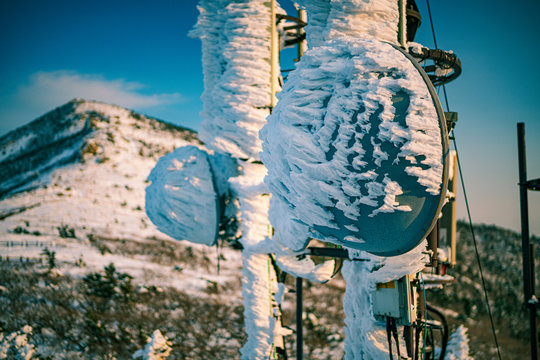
(236, 43)
(183, 198)
(365, 19)
(259, 282)
(236, 38)
(355, 127)
(458, 346)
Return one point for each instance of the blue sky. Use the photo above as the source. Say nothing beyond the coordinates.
(137, 54)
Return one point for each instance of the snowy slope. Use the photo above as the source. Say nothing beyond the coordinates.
(84, 167)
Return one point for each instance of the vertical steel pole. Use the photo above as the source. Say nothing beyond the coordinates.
(525, 240)
(402, 25)
(433, 244)
(533, 270)
(299, 312)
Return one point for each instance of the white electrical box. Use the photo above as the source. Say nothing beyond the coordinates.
(396, 299)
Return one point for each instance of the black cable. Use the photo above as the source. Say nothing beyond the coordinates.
(476, 248)
(389, 336)
(436, 47)
(431, 22)
(445, 97)
(444, 330)
(467, 204)
(218, 254)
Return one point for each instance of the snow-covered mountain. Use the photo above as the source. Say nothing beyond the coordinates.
(74, 180)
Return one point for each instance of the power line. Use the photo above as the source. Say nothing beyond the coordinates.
(431, 22)
(467, 202)
(476, 248)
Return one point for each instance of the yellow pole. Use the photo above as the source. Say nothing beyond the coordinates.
(302, 44)
(274, 58)
(453, 229)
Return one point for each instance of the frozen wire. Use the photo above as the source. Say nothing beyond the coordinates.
(476, 249)
(467, 203)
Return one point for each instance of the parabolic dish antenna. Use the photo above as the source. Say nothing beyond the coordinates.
(356, 150)
(182, 200)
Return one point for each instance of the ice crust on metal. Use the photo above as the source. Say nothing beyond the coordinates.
(354, 150)
(183, 197)
(363, 19)
(235, 38)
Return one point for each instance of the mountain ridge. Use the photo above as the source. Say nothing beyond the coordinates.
(61, 137)
(94, 185)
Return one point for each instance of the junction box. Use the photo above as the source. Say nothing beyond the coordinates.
(396, 299)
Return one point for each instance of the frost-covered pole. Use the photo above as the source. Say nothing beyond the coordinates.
(240, 64)
(259, 282)
(359, 332)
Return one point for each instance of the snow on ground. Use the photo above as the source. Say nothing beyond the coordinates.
(101, 201)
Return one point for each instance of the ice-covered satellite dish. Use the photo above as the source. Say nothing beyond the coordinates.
(356, 150)
(182, 199)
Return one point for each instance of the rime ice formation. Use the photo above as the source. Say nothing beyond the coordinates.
(364, 338)
(257, 286)
(254, 202)
(236, 42)
(353, 148)
(306, 268)
(360, 322)
(253, 197)
(458, 345)
(259, 282)
(183, 202)
(183, 198)
(331, 19)
(236, 39)
(352, 118)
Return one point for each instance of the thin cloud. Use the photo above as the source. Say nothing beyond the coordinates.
(47, 90)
